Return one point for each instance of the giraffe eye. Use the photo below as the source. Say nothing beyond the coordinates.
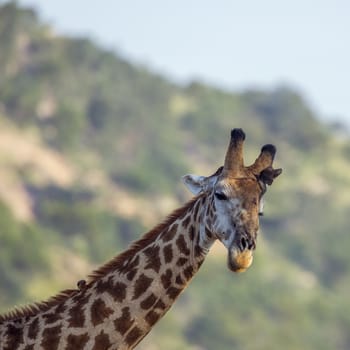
(221, 196)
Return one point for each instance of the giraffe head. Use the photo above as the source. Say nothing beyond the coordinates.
(234, 199)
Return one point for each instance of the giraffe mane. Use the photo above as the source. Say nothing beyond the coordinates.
(35, 308)
(117, 262)
(114, 264)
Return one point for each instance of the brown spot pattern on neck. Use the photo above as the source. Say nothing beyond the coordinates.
(114, 264)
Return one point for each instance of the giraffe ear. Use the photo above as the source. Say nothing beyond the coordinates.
(194, 183)
(269, 174)
(197, 184)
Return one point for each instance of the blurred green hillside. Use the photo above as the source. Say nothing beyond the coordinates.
(92, 149)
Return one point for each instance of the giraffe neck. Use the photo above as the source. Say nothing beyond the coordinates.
(126, 297)
(150, 281)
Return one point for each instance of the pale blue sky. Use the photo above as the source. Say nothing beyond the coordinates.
(234, 44)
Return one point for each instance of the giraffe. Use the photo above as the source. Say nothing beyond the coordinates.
(122, 300)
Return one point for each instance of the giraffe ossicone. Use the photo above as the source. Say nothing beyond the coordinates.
(121, 301)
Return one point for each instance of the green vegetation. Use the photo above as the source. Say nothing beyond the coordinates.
(19, 256)
(103, 145)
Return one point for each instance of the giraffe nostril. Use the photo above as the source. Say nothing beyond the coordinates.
(247, 244)
(251, 245)
(244, 243)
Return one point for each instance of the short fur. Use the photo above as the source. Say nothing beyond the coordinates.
(114, 264)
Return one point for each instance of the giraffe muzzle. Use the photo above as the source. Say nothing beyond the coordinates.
(239, 259)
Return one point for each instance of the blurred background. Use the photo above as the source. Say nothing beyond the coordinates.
(104, 106)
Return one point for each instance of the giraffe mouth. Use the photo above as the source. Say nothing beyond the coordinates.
(238, 260)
